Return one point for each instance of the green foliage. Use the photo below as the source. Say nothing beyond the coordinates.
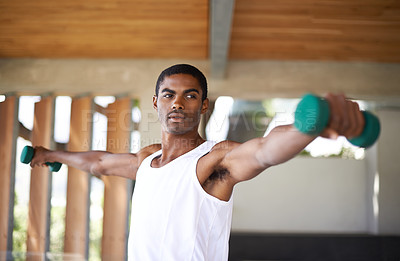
(96, 228)
(269, 108)
(57, 229)
(20, 226)
(95, 233)
(305, 153)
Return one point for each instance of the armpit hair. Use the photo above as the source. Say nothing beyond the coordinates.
(219, 174)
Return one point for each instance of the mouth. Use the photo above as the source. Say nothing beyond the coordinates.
(176, 116)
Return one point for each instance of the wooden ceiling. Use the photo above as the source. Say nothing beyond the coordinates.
(338, 30)
(362, 30)
(104, 28)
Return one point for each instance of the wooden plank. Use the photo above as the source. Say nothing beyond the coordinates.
(116, 199)
(78, 187)
(168, 29)
(8, 129)
(317, 50)
(39, 194)
(316, 30)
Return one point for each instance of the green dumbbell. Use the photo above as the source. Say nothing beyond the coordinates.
(27, 155)
(313, 113)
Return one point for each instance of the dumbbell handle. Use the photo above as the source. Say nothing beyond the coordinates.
(313, 113)
(27, 156)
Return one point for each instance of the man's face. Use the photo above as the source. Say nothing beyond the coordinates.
(179, 104)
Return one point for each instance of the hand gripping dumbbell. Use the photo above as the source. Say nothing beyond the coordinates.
(27, 155)
(313, 113)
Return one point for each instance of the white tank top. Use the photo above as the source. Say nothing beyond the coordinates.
(173, 218)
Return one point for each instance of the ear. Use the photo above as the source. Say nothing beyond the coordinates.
(155, 102)
(204, 107)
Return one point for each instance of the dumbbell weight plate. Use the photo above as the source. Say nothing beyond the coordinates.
(27, 154)
(370, 133)
(312, 114)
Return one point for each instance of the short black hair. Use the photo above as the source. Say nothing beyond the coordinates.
(184, 69)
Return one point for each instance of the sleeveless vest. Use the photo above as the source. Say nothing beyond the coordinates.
(173, 218)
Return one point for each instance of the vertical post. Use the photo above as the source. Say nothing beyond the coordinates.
(115, 188)
(372, 177)
(205, 118)
(77, 210)
(8, 130)
(387, 179)
(221, 17)
(38, 200)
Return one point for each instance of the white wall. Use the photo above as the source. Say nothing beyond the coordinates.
(304, 195)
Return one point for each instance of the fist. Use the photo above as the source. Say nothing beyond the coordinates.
(346, 119)
(39, 156)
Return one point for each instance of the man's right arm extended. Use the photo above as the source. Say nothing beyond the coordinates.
(94, 162)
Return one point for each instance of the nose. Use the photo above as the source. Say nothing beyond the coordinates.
(178, 104)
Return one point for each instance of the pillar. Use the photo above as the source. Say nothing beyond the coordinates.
(116, 199)
(78, 187)
(38, 217)
(8, 130)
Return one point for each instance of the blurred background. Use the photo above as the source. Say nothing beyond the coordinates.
(80, 75)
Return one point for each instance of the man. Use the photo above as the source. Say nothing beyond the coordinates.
(182, 203)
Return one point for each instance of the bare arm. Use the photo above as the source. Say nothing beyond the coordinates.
(247, 160)
(95, 162)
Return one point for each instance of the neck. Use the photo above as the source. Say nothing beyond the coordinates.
(174, 145)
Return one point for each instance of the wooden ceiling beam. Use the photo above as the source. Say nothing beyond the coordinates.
(221, 14)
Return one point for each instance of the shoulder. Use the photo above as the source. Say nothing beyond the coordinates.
(214, 158)
(225, 145)
(221, 149)
(147, 151)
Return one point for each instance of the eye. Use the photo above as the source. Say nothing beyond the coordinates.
(167, 95)
(191, 96)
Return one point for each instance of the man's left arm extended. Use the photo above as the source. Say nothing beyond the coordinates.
(247, 160)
